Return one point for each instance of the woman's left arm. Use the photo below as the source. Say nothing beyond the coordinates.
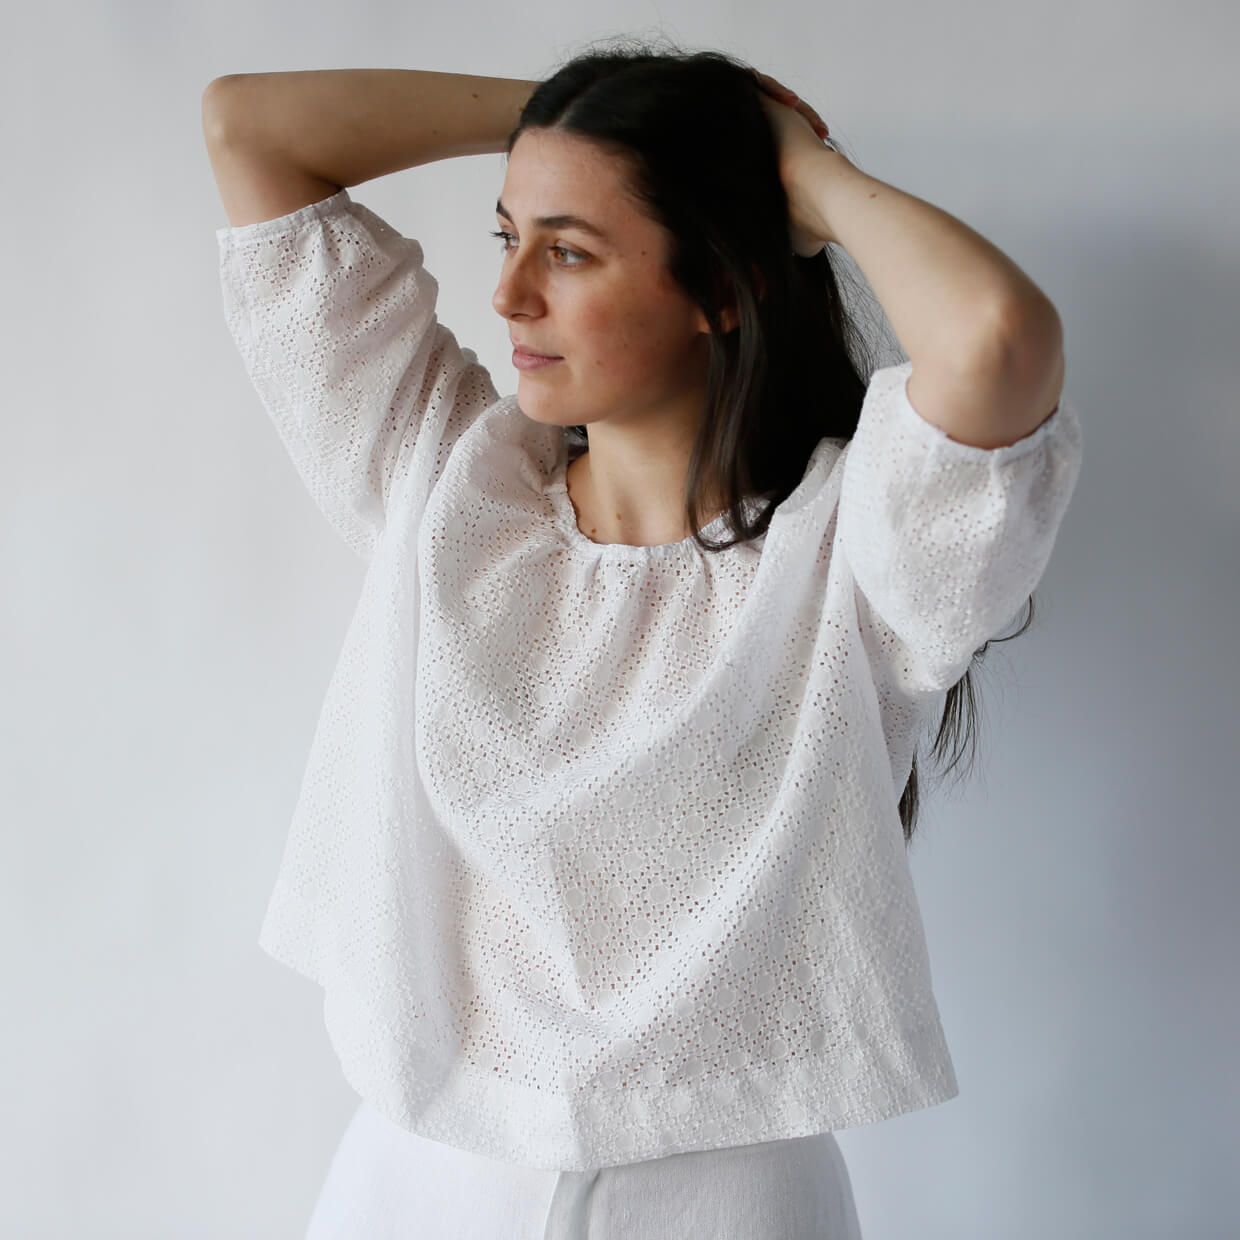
(985, 342)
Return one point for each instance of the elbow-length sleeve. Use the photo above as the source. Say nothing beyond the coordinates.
(333, 313)
(945, 540)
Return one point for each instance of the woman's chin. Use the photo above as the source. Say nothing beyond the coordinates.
(536, 406)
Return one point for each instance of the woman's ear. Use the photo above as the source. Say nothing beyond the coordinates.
(728, 319)
(728, 314)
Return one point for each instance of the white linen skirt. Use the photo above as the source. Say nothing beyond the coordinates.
(386, 1183)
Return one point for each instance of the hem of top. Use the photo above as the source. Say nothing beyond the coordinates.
(832, 1115)
(907, 1103)
(999, 454)
(239, 234)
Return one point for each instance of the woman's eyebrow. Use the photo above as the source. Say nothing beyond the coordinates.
(558, 221)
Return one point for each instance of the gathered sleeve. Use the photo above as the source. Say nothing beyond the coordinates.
(333, 313)
(945, 540)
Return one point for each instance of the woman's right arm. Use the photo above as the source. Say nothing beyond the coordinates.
(280, 141)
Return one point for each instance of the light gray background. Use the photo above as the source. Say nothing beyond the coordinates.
(173, 605)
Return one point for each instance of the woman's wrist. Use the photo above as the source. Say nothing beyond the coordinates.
(499, 102)
(818, 177)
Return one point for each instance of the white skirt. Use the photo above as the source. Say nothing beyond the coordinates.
(385, 1183)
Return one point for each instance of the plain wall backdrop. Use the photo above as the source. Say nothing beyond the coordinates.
(173, 605)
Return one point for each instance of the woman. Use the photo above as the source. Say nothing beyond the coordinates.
(600, 857)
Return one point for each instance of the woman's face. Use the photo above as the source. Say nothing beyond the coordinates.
(591, 288)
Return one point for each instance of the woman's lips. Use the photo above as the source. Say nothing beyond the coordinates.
(522, 359)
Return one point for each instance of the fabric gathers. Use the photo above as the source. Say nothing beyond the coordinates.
(597, 855)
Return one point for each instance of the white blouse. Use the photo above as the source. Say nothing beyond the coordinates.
(597, 855)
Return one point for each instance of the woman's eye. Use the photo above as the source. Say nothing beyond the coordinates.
(565, 256)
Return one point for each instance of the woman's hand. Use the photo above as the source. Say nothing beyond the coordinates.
(799, 133)
(781, 94)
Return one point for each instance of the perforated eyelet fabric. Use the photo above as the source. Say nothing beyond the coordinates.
(597, 855)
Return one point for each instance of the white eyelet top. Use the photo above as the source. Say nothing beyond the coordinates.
(597, 855)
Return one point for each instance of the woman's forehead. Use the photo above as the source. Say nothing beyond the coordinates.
(558, 180)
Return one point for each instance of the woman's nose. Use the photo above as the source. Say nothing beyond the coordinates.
(515, 293)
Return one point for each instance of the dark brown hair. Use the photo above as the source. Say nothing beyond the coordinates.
(703, 162)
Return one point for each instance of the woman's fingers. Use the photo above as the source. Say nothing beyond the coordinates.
(774, 88)
(814, 119)
(778, 91)
(810, 115)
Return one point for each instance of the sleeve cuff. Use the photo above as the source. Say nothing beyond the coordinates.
(242, 234)
(934, 437)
